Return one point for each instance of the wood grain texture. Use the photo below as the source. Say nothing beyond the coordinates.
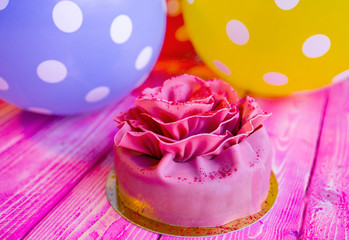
(85, 213)
(327, 211)
(12, 129)
(294, 128)
(43, 158)
(53, 170)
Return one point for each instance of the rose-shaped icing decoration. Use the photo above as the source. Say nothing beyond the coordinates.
(188, 117)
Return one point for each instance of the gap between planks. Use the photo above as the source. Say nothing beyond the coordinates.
(100, 159)
(305, 202)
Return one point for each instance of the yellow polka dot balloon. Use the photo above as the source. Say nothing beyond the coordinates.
(272, 47)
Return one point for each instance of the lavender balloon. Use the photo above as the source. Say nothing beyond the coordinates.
(69, 57)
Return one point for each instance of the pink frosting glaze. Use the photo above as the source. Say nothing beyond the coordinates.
(192, 154)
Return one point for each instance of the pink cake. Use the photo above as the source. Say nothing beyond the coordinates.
(191, 153)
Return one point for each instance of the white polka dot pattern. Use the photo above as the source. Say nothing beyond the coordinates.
(316, 46)
(97, 94)
(173, 8)
(164, 6)
(341, 77)
(237, 32)
(51, 71)
(39, 110)
(181, 34)
(121, 29)
(143, 58)
(275, 78)
(68, 57)
(286, 4)
(222, 67)
(67, 16)
(3, 4)
(3, 84)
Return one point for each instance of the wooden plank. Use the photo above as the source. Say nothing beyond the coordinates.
(327, 212)
(12, 129)
(85, 213)
(294, 128)
(42, 165)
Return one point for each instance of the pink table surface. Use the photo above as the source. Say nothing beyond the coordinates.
(53, 171)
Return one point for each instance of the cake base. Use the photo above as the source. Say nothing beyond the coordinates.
(163, 228)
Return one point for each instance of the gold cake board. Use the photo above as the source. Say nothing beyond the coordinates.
(163, 228)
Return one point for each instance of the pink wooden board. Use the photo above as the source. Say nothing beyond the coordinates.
(42, 164)
(327, 210)
(86, 213)
(53, 171)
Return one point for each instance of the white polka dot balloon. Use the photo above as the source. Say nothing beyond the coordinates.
(70, 57)
(272, 47)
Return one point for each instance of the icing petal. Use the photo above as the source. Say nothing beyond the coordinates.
(192, 125)
(251, 115)
(188, 117)
(222, 88)
(142, 142)
(172, 111)
(183, 89)
(152, 144)
(178, 98)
